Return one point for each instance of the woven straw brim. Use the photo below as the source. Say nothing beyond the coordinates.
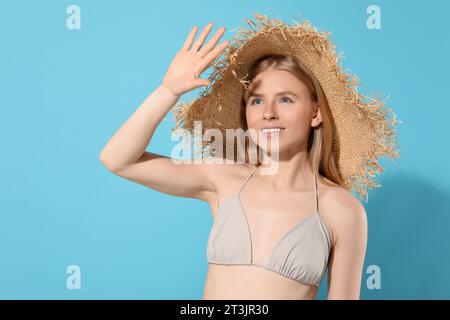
(364, 129)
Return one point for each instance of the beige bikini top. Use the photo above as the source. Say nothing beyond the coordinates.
(301, 254)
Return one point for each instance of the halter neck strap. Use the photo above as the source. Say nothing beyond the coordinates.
(246, 179)
(315, 192)
(316, 197)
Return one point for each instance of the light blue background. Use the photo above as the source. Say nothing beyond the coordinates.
(63, 93)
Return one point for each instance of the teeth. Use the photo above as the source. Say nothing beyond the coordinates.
(270, 130)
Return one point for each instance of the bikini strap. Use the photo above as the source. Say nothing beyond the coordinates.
(315, 187)
(246, 179)
(315, 191)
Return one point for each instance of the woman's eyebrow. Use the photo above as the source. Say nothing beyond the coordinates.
(256, 94)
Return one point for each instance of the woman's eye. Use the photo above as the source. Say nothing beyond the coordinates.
(283, 99)
(286, 99)
(256, 99)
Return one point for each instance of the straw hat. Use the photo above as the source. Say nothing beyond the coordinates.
(364, 128)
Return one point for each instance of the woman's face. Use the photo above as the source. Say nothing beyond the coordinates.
(279, 100)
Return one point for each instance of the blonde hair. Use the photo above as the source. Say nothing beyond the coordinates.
(320, 148)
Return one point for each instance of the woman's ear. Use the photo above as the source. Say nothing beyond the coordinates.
(317, 118)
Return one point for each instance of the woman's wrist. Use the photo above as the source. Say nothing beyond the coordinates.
(167, 90)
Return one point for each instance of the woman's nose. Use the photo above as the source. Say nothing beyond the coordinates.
(269, 113)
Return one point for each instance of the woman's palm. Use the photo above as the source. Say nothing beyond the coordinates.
(188, 64)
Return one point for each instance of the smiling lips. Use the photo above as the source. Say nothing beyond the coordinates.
(270, 131)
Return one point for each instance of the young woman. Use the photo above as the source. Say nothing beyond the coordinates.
(274, 235)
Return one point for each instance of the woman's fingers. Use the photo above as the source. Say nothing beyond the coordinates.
(212, 55)
(198, 57)
(201, 38)
(212, 42)
(190, 38)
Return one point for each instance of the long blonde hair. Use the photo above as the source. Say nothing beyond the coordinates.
(320, 149)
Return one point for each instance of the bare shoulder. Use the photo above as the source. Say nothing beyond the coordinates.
(219, 171)
(342, 211)
(226, 178)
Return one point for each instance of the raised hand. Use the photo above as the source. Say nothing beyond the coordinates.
(188, 64)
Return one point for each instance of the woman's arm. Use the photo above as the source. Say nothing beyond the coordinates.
(128, 144)
(125, 154)
(347, 257)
